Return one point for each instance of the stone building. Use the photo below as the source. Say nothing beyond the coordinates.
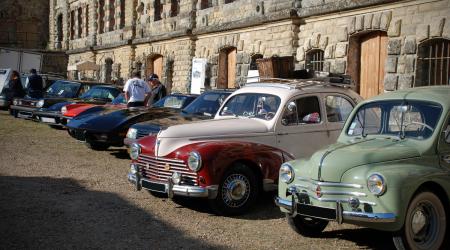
(383, 44)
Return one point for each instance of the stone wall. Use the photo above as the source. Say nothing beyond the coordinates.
(24, 24)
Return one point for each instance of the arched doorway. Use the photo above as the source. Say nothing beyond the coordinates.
(227, 68)
(59, 31)
(154, 64)
(367, 56)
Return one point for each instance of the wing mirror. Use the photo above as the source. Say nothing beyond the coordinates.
(292, 107)
(447, 134)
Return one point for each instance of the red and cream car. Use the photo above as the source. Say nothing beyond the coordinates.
(235, 156)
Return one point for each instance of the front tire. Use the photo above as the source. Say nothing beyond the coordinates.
(305, 226)
(425, 224)
(237, 192)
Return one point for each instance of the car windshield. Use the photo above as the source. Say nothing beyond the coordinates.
(171, 101)
(120, 99)
(63, 89)
(100, 93)
(402, 118)
(206, 104)
(263, 106)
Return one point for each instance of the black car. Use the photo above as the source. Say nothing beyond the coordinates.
(108, 127)
(99, 94)
(203, 108)
(59, 91)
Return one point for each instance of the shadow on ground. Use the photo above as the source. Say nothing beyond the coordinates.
(119, 153)
(59, 214)
(363, 237)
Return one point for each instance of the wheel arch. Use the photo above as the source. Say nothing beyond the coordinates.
(437, 189)
(253, 166)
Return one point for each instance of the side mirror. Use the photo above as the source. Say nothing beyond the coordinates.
(447, 134)
(292, 107)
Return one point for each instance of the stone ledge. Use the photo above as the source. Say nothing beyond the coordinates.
(339, 6)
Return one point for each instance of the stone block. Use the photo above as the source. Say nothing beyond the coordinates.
(395, 29)
(390, 82)
(446, 29)
(368, 21)
(405, 81)
(342, 34)
(300, 54)
(436, 27)
(339, 66)
(394, 46)
(323, 42)
(359, 23)
(307, 44)
(315, 39)
(329, 51)
(326, 66)
(341, 50)
(240, 46)
(376, 21)
(391, 64)
(409, 64)
(352, 26)
(385, 20)
(410, 45)
(422, 32)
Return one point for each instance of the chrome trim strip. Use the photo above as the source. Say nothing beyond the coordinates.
(357, 194)
(329, 184)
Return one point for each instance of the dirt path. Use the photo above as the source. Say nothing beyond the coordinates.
(56, 193)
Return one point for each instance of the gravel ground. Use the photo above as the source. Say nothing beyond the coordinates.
(56, 193)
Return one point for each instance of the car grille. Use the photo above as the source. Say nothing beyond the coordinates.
(77, 134)
(160, 169)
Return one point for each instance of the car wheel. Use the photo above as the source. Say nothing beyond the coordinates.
(306, 226)
(97, 146)
(238, 190)
(425, 224)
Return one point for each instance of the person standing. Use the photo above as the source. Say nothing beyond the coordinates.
(34, 85)
(137, 91)
(158, 89)
(15, 85)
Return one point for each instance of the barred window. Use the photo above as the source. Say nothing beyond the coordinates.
(80, 22)
(228, 1)
(253, 65)
(72, 25)
(174, 8)
(204, 4)
(158, 7)
(433, 63)
(315, 60)
(101, 16)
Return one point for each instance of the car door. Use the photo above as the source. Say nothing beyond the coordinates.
(301, 130)
(444, 145)
(337, 109)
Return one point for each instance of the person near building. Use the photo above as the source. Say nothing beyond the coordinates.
(15, 85)
(158, 89)
(137, 91)
(34, 85)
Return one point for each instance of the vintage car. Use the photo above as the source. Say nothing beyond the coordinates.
(72, 110)
(233, 157)
(59, 91)
(100, 94)
(204, 108)
(109, 126)
(389, 170)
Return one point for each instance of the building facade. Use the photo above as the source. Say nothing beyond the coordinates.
(383, 44)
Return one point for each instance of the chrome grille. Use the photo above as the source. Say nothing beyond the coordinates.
(154, 168)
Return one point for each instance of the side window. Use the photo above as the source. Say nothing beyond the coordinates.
(304, 110)
(338, 108)
(84, 89)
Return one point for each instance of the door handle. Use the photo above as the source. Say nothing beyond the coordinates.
(446, 158)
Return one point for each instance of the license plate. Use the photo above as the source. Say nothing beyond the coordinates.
(48, 120)
(24, 115)
(316, 212)
(157, 187)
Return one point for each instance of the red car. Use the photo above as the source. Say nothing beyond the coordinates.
(75, 109)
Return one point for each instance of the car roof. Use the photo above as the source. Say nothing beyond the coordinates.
(182, 94)
(440, 94)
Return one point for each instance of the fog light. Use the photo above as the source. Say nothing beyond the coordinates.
(134, 169)
(318, 191)
(176, 178)
(354, 202)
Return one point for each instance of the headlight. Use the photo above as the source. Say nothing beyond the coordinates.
(135, 151)
(132, 133)
(194, 161)
(63, 110)
(40, 104)
(15, 102)
(286, 173)
(376, 184)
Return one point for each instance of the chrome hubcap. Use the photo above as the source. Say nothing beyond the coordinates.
(419, 220)
(235, 190)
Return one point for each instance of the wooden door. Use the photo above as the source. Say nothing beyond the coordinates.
(154, 65)
(231, 61)
(373, 57)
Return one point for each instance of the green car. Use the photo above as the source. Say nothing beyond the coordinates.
(389, 170)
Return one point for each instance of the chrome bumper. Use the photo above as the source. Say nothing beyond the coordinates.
(341, 215)
(171, 189)
(4, 103)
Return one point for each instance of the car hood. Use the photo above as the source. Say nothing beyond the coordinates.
(169, 121)
(217, 128)
(341, 157)
(108, 119)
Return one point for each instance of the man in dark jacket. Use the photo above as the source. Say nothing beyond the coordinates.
(158, 89)
(35, 87)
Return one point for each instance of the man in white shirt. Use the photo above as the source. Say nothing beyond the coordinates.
(137, 91)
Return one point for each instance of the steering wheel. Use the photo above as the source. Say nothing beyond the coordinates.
(419, 123)
(269, 115)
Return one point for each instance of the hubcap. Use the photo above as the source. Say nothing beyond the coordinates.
(424, 225)
(419, 221)
(235, 190)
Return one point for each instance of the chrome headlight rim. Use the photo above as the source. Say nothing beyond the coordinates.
(287, 173)
(376, 184)
(134, 169)
(15, 102)
(135, 151)
(40, 103)
(132, 133)
(63, 110)
(194, 161)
